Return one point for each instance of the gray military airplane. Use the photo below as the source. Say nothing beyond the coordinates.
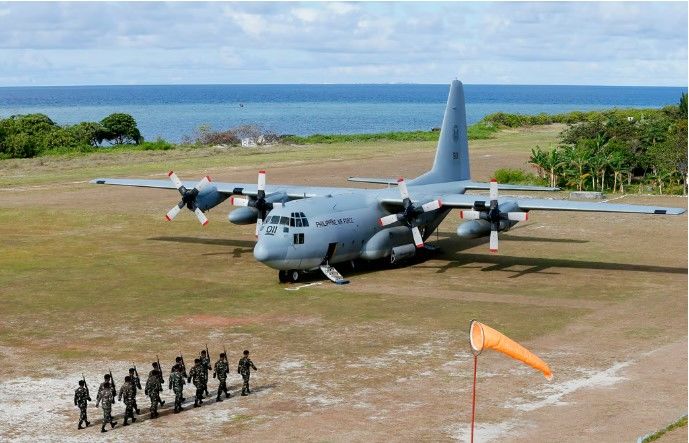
(304, 228)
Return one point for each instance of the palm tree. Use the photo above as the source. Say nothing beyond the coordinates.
(537, 159)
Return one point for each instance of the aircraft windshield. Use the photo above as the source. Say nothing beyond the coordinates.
(298, 220)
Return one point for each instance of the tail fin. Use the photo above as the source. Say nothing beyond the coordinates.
(452, 155)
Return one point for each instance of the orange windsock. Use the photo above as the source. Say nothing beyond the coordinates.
(484, 337)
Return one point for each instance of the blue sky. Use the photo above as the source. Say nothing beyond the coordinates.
(610, 43)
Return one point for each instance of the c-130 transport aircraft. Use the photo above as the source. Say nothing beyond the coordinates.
(304, 228)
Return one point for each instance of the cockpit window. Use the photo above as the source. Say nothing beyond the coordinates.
(284, 221)
(298, 219)
(274, 220)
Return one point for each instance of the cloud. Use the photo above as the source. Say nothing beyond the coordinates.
(520, 42)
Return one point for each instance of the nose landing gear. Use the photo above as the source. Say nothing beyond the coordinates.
(291, 276)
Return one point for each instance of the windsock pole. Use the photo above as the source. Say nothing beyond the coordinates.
(473, 399)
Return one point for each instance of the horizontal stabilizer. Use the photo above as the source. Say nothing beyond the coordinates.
(379, 181)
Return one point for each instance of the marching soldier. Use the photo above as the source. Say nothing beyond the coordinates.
(81, 399)
(106, 400)
(157, 370)
(153, 389)
(221, 369)
(177, 384)
(179, 363)
(206, 362)
(136, 385)
(244, 368)
(127, 392)
(107, 379)
(197, 374)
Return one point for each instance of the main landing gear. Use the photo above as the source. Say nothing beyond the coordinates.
(292, 276)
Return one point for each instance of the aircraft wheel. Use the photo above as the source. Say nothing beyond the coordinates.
(294, 276)
(283, 276)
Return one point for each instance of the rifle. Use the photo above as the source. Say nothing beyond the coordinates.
(160, 372)
(184, 367)
(136, 374)
(208, 354)
(114, 389)
(86, 386)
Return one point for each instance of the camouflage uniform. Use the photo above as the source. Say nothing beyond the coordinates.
(106, 400)
(196, 373)
(127, 392)
(161, 380)
(206, 362)
(81, 399)
(244, 368)
(182, 369)
(221, 369)
(153, 389)
(176, 383)
(136, 385)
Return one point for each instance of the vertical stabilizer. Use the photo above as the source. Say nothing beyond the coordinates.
(452, 155)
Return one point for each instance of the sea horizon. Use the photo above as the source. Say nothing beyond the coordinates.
(174, 112)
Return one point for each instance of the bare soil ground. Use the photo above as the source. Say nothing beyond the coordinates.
(92, 278)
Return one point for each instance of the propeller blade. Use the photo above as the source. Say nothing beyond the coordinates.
(172, 213)
(203, 183)
(418, 240)
(259, 223)
(387, 220)
(403, 188)
(493, 189)
(239, 201)
(493, 241)
(469, 215)
(261, 180)
(175, 180)
(518, 216)
(201, 216)
(432, 206)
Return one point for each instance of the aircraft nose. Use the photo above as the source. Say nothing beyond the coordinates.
(261, 252)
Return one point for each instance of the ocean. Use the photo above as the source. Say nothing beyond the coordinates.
(175, 111)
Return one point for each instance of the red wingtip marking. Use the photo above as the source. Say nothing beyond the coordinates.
(205, 223)
(492, 180)
(170, 173)
(167, 217)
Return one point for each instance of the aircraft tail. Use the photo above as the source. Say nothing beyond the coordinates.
(452, 154)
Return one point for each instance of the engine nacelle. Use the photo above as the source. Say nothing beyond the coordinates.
(481, 228)
(243, 216)
(381, 244)
(401, 252)
(209, 198)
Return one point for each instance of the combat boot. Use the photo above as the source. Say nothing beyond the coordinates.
(102, 428)
(218, 398)
(88, 423)
(125, 422)
(133, 419)
(79, 426)
(112, 424)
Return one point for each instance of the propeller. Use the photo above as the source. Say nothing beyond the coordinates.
(410, 213)
(492, 214)
(259, 202)
(188, 198)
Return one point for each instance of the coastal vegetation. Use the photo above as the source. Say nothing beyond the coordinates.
(618, 150)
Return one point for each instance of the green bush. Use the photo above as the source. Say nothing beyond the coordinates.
(517, 176)
(158, 145)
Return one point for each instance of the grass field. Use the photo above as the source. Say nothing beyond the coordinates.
(92, 278)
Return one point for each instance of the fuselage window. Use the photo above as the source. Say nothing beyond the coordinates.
(299, 239)
(284, 221)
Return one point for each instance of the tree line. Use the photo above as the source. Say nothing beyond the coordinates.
(619, 149)
(23, 136)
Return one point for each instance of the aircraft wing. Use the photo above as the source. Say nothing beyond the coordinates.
(293, 192)
(463, 201)
(502, 187)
